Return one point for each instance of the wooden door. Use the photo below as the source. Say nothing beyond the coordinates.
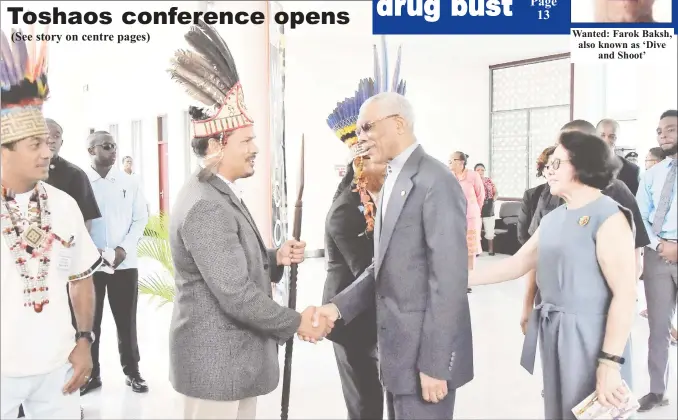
(163, 165)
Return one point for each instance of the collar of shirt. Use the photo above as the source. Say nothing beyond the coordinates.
(235, 188)
(397, 163)
(94, 176)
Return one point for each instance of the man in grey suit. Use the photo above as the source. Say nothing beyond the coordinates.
(225, 327)
(419, 275)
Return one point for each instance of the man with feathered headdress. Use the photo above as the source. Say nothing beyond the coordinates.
(349, 248)
(226, 327)
(45, 245)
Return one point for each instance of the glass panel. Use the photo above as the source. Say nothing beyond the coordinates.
(621, 91)
(531, 85)
(509, 149)
(137, 150)
(544, 126)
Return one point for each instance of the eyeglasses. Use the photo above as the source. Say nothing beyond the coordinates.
(555, 164)
(366, 127)
(107, 146)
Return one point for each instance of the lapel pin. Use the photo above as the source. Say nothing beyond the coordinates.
(584, 220)
(402, 193)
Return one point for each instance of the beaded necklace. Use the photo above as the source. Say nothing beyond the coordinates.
(30, 237)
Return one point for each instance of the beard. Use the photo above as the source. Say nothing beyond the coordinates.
(670, 151)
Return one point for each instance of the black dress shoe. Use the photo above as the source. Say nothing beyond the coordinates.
(468, 290)
(136, 382)
(650, 401)
(93, 383)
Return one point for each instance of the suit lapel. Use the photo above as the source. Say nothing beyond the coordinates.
(226, 190)
(396, 202)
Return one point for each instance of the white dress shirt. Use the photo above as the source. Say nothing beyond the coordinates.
(392, 171)
(124, 213)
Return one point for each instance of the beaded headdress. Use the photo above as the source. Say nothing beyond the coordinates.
(344, 117)
(209, 75)
(23, 82)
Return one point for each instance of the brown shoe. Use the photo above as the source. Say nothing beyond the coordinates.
(650, 401)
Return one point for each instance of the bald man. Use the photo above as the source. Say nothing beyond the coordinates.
(624, 11)
(608, 130)
(116, 234)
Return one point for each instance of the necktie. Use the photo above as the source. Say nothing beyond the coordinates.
(664, 199)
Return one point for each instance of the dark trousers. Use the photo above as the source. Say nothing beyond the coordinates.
(123, 294)
(410, 407)
(359, 374)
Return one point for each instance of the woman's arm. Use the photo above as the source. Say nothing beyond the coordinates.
(494, 190)
(479, 188)
(615, 252)
(509, 269)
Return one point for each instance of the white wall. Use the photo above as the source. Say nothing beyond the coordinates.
(447, 76)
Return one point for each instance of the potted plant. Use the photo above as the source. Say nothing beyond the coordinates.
(158, 284)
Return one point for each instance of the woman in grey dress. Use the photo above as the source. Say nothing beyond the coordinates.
(583, 252)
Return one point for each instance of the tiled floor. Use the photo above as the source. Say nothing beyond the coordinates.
(316, 394)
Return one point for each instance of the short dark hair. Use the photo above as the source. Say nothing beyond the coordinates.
(669, 113)
(127, 157)
(10, 146)
(51, 121)
(657, 152)
(479, 165)
(579, 125)
(593, 161)
(543, 159)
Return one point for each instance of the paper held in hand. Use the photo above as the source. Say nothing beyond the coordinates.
(590, 408)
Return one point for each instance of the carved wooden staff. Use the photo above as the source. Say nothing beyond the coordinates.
(296, 233)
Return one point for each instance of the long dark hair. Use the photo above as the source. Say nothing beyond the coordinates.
(346, 181)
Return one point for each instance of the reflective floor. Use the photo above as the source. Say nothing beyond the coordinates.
(501, 388)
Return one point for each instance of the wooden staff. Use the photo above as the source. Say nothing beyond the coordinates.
(296, 233)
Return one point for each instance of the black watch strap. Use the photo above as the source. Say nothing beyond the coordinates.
(88, 335)
(611, 357)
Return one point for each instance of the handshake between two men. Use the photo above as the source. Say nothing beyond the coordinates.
(317, 322)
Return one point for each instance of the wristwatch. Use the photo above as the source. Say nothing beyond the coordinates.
(88, 335)
(611, 357)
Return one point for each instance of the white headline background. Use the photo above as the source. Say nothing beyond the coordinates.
(622, 45)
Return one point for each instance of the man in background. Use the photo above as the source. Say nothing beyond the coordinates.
(116, 234)
(608, 130)
(657, 201)
(68, 177)
(127, 165)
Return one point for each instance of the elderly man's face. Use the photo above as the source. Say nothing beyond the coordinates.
(623, 10)
(378, 132)
(608, 132)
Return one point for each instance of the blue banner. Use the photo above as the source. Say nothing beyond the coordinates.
(483, 17)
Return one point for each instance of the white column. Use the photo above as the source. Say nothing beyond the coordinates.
(249, 46)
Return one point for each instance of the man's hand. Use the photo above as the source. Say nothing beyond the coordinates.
(120, 255)
(81, 360)
(432, 390)
(311, 328)
(669, 251)
(291, 252)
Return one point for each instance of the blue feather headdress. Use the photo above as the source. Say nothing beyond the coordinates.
(344, 117)
(23, 82)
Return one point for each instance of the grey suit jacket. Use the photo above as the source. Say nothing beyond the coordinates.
(419, 278)
(225, 327)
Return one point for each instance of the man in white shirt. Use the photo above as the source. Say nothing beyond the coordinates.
(45, 245)
(116, 234)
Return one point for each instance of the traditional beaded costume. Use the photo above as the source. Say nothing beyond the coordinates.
(23, 81)
(345, 116)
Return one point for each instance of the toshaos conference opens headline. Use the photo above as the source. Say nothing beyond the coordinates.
(174, 16)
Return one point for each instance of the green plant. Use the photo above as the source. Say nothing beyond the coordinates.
(155, 245)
